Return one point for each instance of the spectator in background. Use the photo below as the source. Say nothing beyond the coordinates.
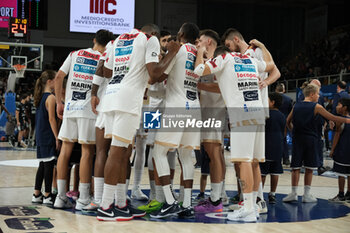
(301, 96)
(341, 93)
(285, 108)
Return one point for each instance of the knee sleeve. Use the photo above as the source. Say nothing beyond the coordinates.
(160, 159)
(140, 153)
(185, 157)
(149, 161)
(172, 159)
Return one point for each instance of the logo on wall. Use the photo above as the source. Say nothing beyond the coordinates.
(103, 7)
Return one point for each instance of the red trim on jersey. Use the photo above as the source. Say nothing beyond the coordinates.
(86, 54)
(128, 36)
(223, 55)
(212, 62)
(191, 50)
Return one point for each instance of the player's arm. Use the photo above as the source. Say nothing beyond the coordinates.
(201, 68)
(64, 70)
(5, 109)
(50, 106)
(274, 75)
(329, 116)
(156, 69)
(96, 82)
(335, 139)
(58, 92)
(211, 87)
(270, 64)
(289, 120)
(17, 117)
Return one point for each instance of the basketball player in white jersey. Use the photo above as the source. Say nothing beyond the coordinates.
(133, 60)
(234, 40)
(237, 75)
(78, 118)
(212, 106)
(181, 96)
(99, 85)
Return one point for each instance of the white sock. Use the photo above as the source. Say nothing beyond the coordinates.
(294, 189)
(215, 191)
(182, 193)
(137, 178)
(248, 201)
(121, 195)
(159, 193)
(260, 191)
(307, 189)
(187, 197)
(223, 189)
(61, 188)
(152, 191)
(98, 188)
(84, 190)
(108, 195)
(127, 186)
(255, 195)
(168, 194)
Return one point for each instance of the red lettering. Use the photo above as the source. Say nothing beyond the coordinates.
(122, 59)
(128, 36)
(82, 76)
(191, 74)
(212, 62)
(246, 75)
(103, 7)
(108, 11)
(84, 53)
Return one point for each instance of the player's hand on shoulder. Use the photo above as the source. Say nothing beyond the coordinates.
(256, 43)
(173, 46)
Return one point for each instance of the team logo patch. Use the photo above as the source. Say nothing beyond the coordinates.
(152, 120)
(78, 95)
(189, 65)
(123, 43)
(154, 54)
(86, 61)
(191, 57)
(123, 51)
(251, 95)
(244, 68)
(84, 69)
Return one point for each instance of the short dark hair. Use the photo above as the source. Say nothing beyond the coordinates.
(103, 37)
(345, 102)
(151, 29)
(277, 98)
(212, 34)
(230, 33)
(23, 96)
(164, 33)
(190, 31)
(221, 50)
(342, 84)
(280, 87)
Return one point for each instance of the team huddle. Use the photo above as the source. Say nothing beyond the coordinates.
(102, 106)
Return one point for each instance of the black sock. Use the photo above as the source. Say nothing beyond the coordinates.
(215, 203)
(341, 194)
(347, 194)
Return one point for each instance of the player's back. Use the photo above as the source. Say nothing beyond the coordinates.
(80, 66)
(182, 82)
(304, 119)
(131, 52)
